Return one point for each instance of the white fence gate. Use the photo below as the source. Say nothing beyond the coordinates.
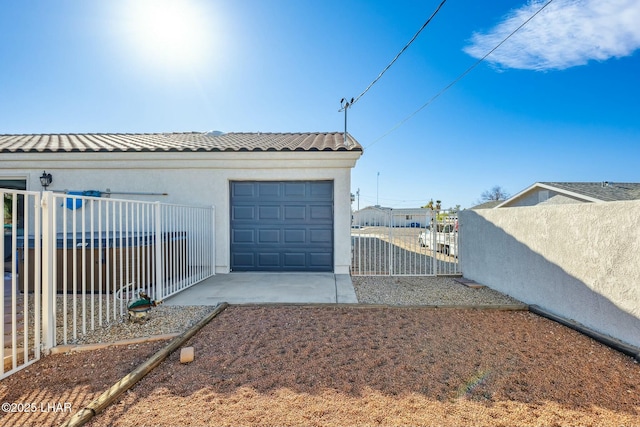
(21, 311)
(73, 263)
(384, 242)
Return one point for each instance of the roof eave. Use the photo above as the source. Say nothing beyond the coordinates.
(545, 186)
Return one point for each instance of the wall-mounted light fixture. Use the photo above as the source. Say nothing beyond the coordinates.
(46, 179)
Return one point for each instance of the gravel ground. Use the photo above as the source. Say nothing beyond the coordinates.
(384, 364)
(415, 291)
(110, 327)
(160, 321)
(379, 290)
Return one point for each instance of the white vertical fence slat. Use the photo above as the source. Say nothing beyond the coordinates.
(48, 293)
(20, 332)
(394, 243)
(76, 261)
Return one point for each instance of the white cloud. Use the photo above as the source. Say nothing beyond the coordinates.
(567, 33)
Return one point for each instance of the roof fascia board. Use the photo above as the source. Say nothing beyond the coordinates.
(178, 155)
(216, 160)
(521, 193)
(552, 188)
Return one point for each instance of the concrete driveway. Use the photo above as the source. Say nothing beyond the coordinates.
(257, 288)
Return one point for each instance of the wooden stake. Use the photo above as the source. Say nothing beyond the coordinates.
(128, 381)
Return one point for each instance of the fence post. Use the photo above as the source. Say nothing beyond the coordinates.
(48, 289)
(434, 242)
(458, 239)
(213, 240)
(390, 245)
(159, 259)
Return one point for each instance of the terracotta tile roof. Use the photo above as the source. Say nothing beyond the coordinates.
(188, 141)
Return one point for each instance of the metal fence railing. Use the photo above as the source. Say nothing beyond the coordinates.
(20, 310)
(74, 262)
(402, 242)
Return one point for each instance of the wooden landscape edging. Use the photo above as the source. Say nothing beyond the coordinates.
(497, 307)
(105, 399)
(88, 347)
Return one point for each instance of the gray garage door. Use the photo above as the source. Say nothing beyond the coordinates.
(282, 226)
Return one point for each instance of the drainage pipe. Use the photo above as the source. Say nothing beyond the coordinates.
(129, 380)
(627, 349)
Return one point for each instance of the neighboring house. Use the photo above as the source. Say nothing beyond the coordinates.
(384, 216)
(411, 217)
(547, 193)
(372, 216)
(487, 205)
(282, 200)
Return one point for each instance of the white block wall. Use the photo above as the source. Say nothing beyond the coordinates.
(579, 261)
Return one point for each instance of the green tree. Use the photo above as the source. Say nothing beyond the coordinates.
(433, 206)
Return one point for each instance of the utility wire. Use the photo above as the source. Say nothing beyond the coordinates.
(397, 56)
(460, 77)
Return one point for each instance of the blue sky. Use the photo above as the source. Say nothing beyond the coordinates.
(558, 101)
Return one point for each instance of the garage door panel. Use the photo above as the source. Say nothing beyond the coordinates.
(239, 213)
(282, 226)
(321, 189)
(243, 189)
(243, 259)
(269, 189)
(321, 213)
(319, 259)
(294, 260)
(297, 213)
(268, 259)
(320, 236)
(295, 236)
(294, 189)
(268, 236)
(242, 236)
(269, 212)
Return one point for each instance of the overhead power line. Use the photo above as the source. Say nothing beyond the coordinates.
(354, 100)
(461, 76)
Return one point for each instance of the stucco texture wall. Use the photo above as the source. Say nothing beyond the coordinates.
(579, 261)
(195, 179)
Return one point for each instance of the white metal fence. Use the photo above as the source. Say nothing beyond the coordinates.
(20, 310)
(396, 243)
(76, 261)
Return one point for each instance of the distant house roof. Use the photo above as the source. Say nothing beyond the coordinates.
(386, 209)
(488, 205)
(586, 191)
(187, 141)
(377, 207)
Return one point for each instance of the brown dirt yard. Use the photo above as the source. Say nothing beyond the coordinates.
(351, 366)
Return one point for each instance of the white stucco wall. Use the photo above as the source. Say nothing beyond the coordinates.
(200, 178)
(577, 261)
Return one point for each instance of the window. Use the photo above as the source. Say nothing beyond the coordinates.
(13, 184)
